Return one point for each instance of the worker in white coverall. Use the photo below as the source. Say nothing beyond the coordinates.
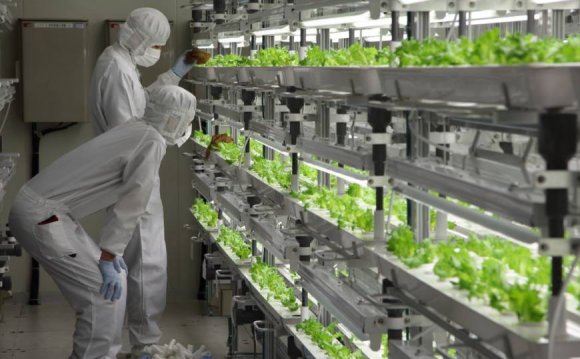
(117, 95)
(117, 170)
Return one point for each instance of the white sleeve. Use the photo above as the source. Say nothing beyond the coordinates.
(118, 103)
(139, 179)
(167, 78)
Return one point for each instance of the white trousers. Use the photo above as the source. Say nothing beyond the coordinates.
(146, 258)
(71, 257)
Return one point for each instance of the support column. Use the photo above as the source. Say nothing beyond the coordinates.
(295, 106)
(322, 130)
(351, 37)
(462, 30)
(531, 22)
(303, 48)
(557, 144)
(341, 131)
(248, 98)
(558, 24)
(219, 8)
(216, 94)
(379, 119)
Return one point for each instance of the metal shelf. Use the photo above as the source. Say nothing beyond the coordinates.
(503, 331)
(271, 306)
(494, 197)
(533, 87)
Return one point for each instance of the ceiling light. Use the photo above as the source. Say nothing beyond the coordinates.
(336, 20)
(543, 2)
(411, 2)
(500, 20)
(227, 40)
(284, 30)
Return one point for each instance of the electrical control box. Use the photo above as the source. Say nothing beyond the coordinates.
(149, 74)
(55, 72)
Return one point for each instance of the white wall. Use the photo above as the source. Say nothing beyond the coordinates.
(176, 179)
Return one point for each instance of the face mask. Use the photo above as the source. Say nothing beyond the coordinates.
(150, 57)
(181, 141)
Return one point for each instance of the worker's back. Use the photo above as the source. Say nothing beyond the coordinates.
(92, 176)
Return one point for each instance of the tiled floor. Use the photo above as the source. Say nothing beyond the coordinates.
(46, 331)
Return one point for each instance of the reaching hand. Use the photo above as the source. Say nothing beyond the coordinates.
(215, 141)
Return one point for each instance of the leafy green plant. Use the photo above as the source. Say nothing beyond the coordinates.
(328, 339)
(489, 49)
(274, 56)
(228, 61)
(267, 277)
(385, 345)
(235, 241)
(455, 261)
(356, 55)
(202, 138)
(204, 213)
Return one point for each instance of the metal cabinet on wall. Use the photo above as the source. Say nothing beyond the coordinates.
(55, 72)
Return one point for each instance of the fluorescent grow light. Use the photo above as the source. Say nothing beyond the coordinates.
(284, 30)
(336, 20)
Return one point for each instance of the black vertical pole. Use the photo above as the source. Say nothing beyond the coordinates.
(557, 144)
(34, 298)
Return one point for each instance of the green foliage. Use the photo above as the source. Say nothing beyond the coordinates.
(274, 56)
(228, 61)
(489, 49)
(235, 241)
(202, 138)
(267, 277)
(231, 152)
(525, 300)
(455, 261)
(328, 339)
(204, 213)
(356, 55)
(385, 345)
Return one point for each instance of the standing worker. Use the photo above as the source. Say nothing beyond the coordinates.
(116, 96)
(118, 170)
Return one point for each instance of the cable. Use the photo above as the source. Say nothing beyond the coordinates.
(559, 304)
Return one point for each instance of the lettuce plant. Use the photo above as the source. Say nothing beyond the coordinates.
(328, 339)
(267, 277)
(235, 241)
(204, 213)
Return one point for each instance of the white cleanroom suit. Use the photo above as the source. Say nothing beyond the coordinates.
(116, 95)
(119, 170)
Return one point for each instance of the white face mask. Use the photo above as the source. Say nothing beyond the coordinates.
(150, 57)
(183, 139)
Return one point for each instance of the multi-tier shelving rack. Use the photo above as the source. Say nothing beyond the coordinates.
(496, 137)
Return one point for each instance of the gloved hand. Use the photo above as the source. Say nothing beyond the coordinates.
(215, 141)
(112, 287)
(189, 58)
(197, 56)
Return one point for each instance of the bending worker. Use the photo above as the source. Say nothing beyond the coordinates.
(118, 170)
(117, 95)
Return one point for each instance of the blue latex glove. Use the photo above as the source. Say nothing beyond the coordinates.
(181, 67)
(110, 270)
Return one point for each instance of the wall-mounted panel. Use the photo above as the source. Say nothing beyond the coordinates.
(54, 70)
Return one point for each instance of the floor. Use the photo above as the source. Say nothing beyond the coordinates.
(30, 332)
